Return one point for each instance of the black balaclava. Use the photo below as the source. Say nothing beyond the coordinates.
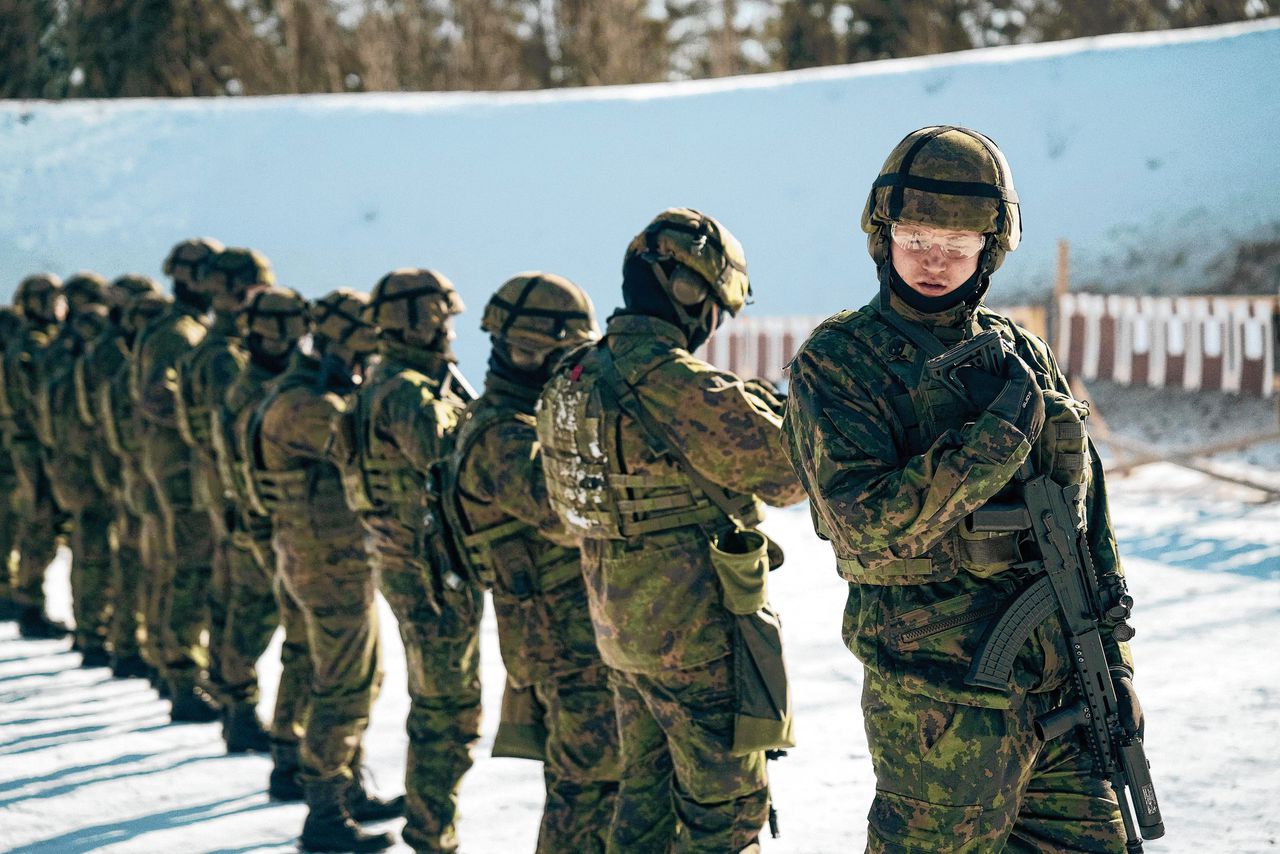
(271, 362)
(334, 373)
(183, 293)
(642, 293)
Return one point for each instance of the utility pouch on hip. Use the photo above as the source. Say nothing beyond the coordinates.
(741, 561)
(521, 731)
(762, 717)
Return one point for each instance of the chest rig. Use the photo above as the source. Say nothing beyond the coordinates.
(579, 425)
(499, 554)
(923, 410)
(377, 479)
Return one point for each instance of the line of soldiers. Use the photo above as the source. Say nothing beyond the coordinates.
(235, 458)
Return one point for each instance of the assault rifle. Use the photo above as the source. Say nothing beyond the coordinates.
(1055, 547)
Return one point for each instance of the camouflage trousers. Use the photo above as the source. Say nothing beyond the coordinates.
(330, 587)
(8, 528)
(682, 790)
(39, 521)
(442, 651)
(128, 613)
(581, 762)
(289, 717)
(250, 613)
(157, 569)
(188, 537)
(954, 779)
(92, 595)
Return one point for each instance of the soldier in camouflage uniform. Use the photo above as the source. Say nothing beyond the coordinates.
(204, 374)
(641, 496)
(66, 444)
(895, 463)
(141, 530)
(102, 359)
(516, 543)
(322, 564)
(181, 599)
(39, 300)
(399, 426)
(10, 330)
(270, 325)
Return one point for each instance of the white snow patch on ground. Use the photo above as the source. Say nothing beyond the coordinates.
(88, 763)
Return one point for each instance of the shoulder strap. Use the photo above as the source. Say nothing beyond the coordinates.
(624, 396)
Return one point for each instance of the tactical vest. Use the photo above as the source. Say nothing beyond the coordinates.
(924, 409)
(377, 480)
(234, 469)
(584, 470)
(278, 491)
(501, 549)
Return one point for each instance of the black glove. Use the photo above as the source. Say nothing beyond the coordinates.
(1015, 396)
(1127, 702)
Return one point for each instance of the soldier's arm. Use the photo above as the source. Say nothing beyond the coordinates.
(728, 430)
(505, 467)
(867, 497)
(298, 423)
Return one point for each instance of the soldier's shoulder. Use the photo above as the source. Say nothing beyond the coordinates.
(846, 331)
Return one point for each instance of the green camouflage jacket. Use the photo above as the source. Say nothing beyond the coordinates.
(399, 425)
(202, 377)
(516, 540)
(153, 382)
(95, 367)
(230, 423)
(890, 497)
(288, 437)
(655, 598)
(22, 358)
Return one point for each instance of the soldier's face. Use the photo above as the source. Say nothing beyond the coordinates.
(931, 272)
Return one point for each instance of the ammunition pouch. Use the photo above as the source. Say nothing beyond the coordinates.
(762, 717)
(741, 561)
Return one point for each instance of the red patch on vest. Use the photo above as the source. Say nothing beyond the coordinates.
(575, 373)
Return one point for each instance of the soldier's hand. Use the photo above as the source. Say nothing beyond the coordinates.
(1015, 396)
(1127, 702)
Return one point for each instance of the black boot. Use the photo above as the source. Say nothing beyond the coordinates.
(329, 827)
(128, 666)
(366, 807)
(189, 705)
(9, 609)
(94, 656)
(243, 732)
(34, 625)
(285, 783)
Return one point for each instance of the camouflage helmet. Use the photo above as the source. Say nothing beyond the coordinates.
(540, 310)
(142, 309)
(274, 314)
(340, 316)
(700, 243)
(41, 289)
(231, 272)
(410, 298)
(84, 289)
(946, 177)
(186, 255)
(124, 288)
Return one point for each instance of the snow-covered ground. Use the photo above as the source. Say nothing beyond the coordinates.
(88, 763)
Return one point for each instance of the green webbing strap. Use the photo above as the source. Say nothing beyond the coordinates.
(618, 388)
